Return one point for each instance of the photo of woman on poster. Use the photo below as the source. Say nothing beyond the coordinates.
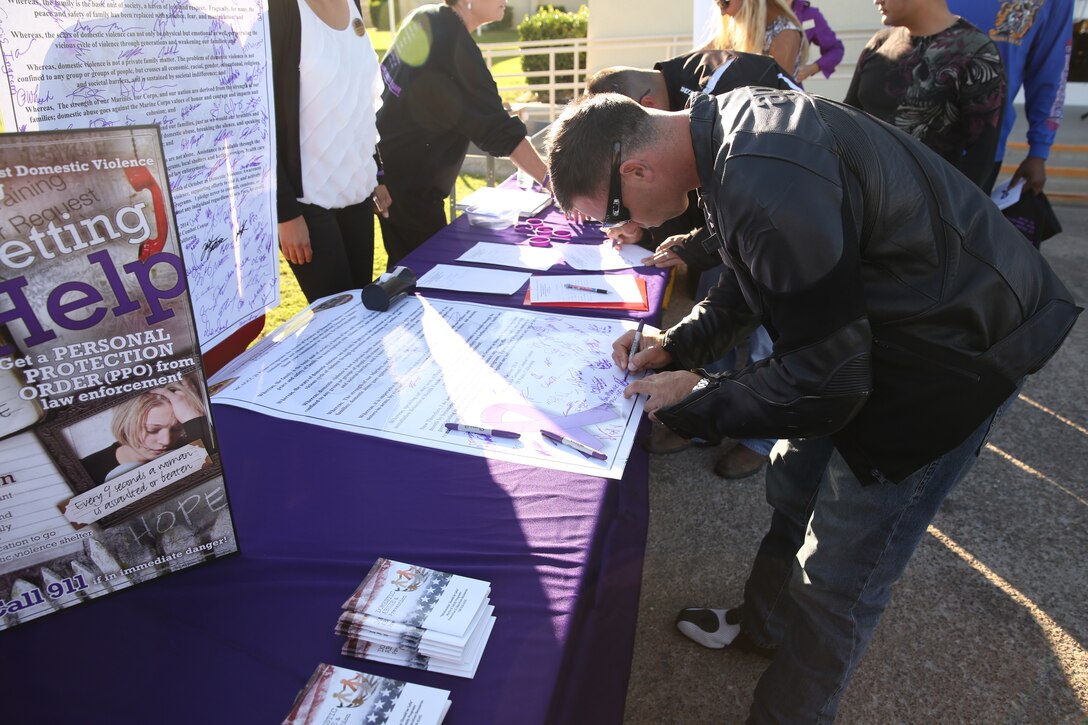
(147, 426)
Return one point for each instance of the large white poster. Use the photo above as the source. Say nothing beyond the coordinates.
(544, 384)
(199, 69)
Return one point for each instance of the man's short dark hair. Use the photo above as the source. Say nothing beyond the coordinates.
(620, 79)
(580, 143)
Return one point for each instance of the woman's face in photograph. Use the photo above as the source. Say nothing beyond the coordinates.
(160, 432)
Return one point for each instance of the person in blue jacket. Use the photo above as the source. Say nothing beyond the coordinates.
(1034, 39)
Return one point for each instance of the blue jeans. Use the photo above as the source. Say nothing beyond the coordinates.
(760, 347)
(825, 569)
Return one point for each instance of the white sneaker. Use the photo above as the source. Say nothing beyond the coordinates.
(712, 628)
(718, 629)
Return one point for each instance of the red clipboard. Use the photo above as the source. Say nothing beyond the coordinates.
(643, 306)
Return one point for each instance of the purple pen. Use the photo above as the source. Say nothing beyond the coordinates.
(493, 432)
(571, 443)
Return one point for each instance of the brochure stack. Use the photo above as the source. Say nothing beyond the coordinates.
(417, 617)
(346, 697)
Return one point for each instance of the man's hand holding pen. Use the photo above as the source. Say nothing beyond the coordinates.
(661, 390)
(666, 255)
(649, 355)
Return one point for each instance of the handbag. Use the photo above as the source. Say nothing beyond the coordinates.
(1034, 217)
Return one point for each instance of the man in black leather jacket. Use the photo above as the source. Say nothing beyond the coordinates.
(904, 309)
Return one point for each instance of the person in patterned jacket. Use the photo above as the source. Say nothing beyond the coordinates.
(937, 77)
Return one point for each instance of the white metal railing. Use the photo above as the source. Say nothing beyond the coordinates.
(666, 46)
(549, 105)
(547, 92)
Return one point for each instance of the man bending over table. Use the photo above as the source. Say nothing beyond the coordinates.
(904, 310)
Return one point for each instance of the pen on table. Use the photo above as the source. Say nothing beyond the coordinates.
(493, 432)
(586, 289)
(635, 342)
(571, 443)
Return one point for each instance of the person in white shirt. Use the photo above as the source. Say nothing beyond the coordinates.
(327, 94)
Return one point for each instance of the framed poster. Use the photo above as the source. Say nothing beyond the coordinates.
(109, 466)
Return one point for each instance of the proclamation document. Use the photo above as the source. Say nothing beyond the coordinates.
(516, 385)
(198, 69)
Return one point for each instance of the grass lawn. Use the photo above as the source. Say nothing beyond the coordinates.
(291, 298)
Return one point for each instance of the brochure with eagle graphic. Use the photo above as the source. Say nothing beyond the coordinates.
(406, 655)
(429, 643)
(407, 594)
(339, 696)
(418, 617)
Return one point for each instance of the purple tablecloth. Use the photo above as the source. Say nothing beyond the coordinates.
(234, 640)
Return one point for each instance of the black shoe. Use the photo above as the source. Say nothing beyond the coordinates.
(663, 441)
(740, 461)
(709, 627)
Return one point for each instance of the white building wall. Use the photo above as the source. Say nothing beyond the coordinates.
(630, 18)
(854, 20)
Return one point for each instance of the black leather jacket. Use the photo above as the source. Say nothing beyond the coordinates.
(904, 308)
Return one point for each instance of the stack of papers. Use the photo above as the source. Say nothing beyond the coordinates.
(518, 256)
(603, 257)
(346, 697)
(473, 279)
(418, 617)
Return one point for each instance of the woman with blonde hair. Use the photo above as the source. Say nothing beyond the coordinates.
(762, 26)
(148, 425)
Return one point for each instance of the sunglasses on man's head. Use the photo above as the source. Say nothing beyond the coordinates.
(616, 214)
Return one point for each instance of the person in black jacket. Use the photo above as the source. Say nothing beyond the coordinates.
(905, 312)
(669, 86)
(439, 95)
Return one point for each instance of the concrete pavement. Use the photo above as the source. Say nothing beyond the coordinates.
(989, 624)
